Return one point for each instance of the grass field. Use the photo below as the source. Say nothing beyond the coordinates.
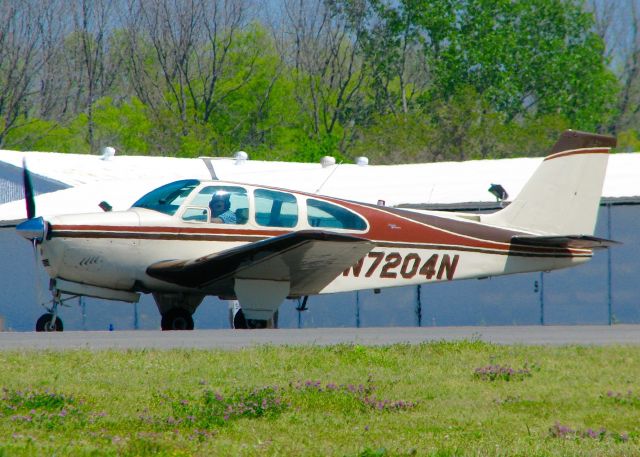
(441, 399)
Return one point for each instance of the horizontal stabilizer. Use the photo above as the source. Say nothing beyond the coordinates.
(565, 241)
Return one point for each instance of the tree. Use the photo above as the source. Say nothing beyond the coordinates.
(537, 57)
(21, 58)
(91, 19)
(328, 70)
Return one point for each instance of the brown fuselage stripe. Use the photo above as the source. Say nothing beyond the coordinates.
(521, 251)
(155, 236)
(413, 231)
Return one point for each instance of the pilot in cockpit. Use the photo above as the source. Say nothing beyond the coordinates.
(220, 206)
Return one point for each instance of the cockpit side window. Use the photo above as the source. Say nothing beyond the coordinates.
(168, 198)
(275, 209)
(327, 215)
(221, 204)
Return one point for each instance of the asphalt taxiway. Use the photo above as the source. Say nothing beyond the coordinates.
(371, 336)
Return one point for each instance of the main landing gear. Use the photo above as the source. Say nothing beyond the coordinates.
(239, 321)
(177, 309)
(177, 319)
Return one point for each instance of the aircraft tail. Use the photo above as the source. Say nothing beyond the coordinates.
(563, 195)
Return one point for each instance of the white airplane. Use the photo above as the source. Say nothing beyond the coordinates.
(259, 245)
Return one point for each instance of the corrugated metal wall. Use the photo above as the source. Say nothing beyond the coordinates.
(11, 183)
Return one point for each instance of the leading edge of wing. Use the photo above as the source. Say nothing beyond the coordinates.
(309, 259)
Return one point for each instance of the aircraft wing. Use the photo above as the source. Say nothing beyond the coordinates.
(565, 241)
(308, 259)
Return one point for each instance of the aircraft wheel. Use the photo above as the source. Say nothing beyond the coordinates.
(239, 320)
(177, 319)
(45, 323)
(257, 323)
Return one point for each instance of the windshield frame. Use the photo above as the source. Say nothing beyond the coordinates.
(163, 199)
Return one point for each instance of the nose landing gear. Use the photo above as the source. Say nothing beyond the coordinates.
(49, 321)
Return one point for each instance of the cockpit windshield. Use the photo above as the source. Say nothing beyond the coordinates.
(168, 198)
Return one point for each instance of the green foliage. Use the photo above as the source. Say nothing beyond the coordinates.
(628, 141)
(463, 128)
(537, 57)
(397, 81)
(394, 139)
(42, 135)
(125, 126)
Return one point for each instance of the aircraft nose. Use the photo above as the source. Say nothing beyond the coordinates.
(33, 229)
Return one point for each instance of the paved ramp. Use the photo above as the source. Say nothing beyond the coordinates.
(236, 339)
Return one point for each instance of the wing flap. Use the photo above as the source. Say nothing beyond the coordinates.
(308, 259)
(565, 241)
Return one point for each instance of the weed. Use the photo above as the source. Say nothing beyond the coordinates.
(363, 393)
(373, 453)
(629, 398)
(14, 400)
(212, 409)
(558, 430)
(38, 407)
(501, 373)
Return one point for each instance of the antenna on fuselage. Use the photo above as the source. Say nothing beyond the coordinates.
(328, 161)
(209, 165)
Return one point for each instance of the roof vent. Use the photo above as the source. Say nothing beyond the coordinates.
(362, 161)
(241, 157)
(107, 153)
(327, 161)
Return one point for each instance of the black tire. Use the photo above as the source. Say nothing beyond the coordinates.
(257, 323)
(239, 321)
(177, 319)
(45, 323)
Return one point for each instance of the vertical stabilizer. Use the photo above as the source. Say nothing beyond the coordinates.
(563, 195)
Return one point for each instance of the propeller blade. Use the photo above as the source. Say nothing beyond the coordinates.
(28, 191)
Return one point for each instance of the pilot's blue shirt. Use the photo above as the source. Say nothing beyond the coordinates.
(228, 217)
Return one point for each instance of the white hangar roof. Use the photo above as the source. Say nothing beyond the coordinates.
(121, 180)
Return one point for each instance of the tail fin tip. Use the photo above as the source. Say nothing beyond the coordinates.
(574, 139)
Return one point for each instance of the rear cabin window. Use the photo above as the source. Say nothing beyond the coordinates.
(168, 198)
(219, 205)
(275, 209)
(327, 215)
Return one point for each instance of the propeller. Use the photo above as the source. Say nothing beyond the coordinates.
(34, 228)
(28, 191)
